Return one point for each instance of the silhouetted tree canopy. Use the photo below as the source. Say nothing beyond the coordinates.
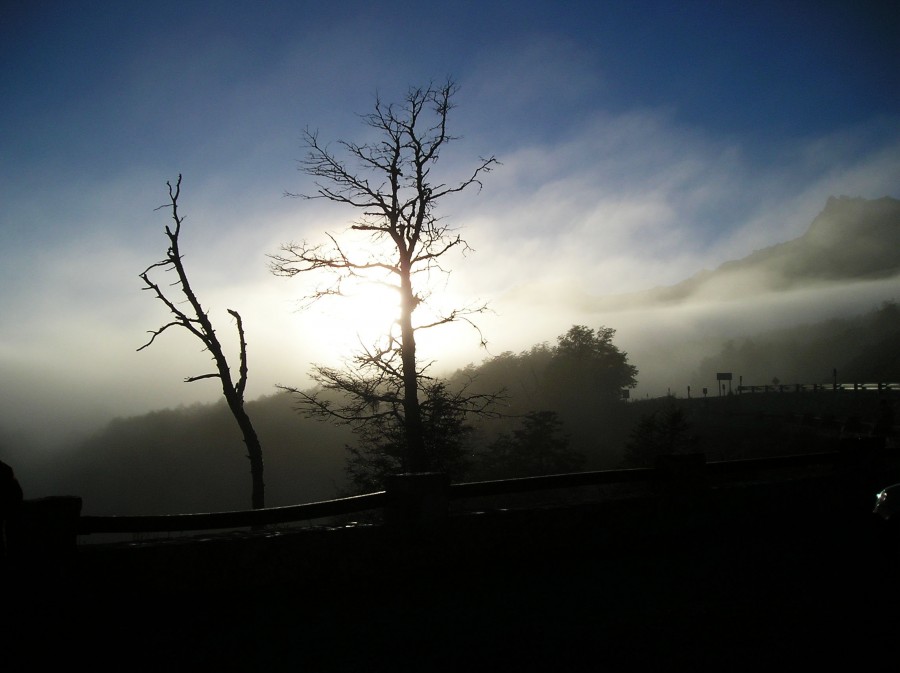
(584, 364)
(381, 445)
(665, 431)
(587, 360)
(580, 379)
(538, 447)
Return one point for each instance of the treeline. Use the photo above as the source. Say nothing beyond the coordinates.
(555, 408)
(561, 409)
(580, 380)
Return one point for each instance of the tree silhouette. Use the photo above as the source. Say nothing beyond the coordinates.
(538, 447)
(587, 360)
(389, 181)
(196, 321)
(382, 443)
(662, 432)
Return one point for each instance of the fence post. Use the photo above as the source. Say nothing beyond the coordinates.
(417, 501)
(46, 529)
(681, 474)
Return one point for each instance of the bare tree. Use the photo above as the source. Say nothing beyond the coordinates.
(196, 321)
(389, 182)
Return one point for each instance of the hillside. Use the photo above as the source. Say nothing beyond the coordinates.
(192, 459)
(852, 239)
(861, 349)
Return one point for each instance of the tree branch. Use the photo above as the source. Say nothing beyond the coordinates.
(197, 322)
(390, 181)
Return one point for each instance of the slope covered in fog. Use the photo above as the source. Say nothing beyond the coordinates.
(852, 239)
(863, 349)
(192, 459)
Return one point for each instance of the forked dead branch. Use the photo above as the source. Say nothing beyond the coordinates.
(196, 321)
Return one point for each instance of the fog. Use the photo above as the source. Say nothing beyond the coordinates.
(668, 344)
(53, 397)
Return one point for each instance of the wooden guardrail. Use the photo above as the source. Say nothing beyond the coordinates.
(49, 527)
(409, 492)
(239, 519)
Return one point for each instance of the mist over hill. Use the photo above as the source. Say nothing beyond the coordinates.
(851, 240)
(188, 459)
(845, 265)
(863, 349)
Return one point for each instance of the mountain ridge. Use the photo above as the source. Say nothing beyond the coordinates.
(852, 239)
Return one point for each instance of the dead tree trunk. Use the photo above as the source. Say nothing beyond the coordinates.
(197, 322)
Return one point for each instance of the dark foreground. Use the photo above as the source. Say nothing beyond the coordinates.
(792, 574)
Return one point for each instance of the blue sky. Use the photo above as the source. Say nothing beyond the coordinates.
(640, 143)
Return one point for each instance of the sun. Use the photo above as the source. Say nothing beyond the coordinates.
(367, 312)
(361, 315)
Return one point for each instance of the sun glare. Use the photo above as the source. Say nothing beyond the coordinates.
(361, 315)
